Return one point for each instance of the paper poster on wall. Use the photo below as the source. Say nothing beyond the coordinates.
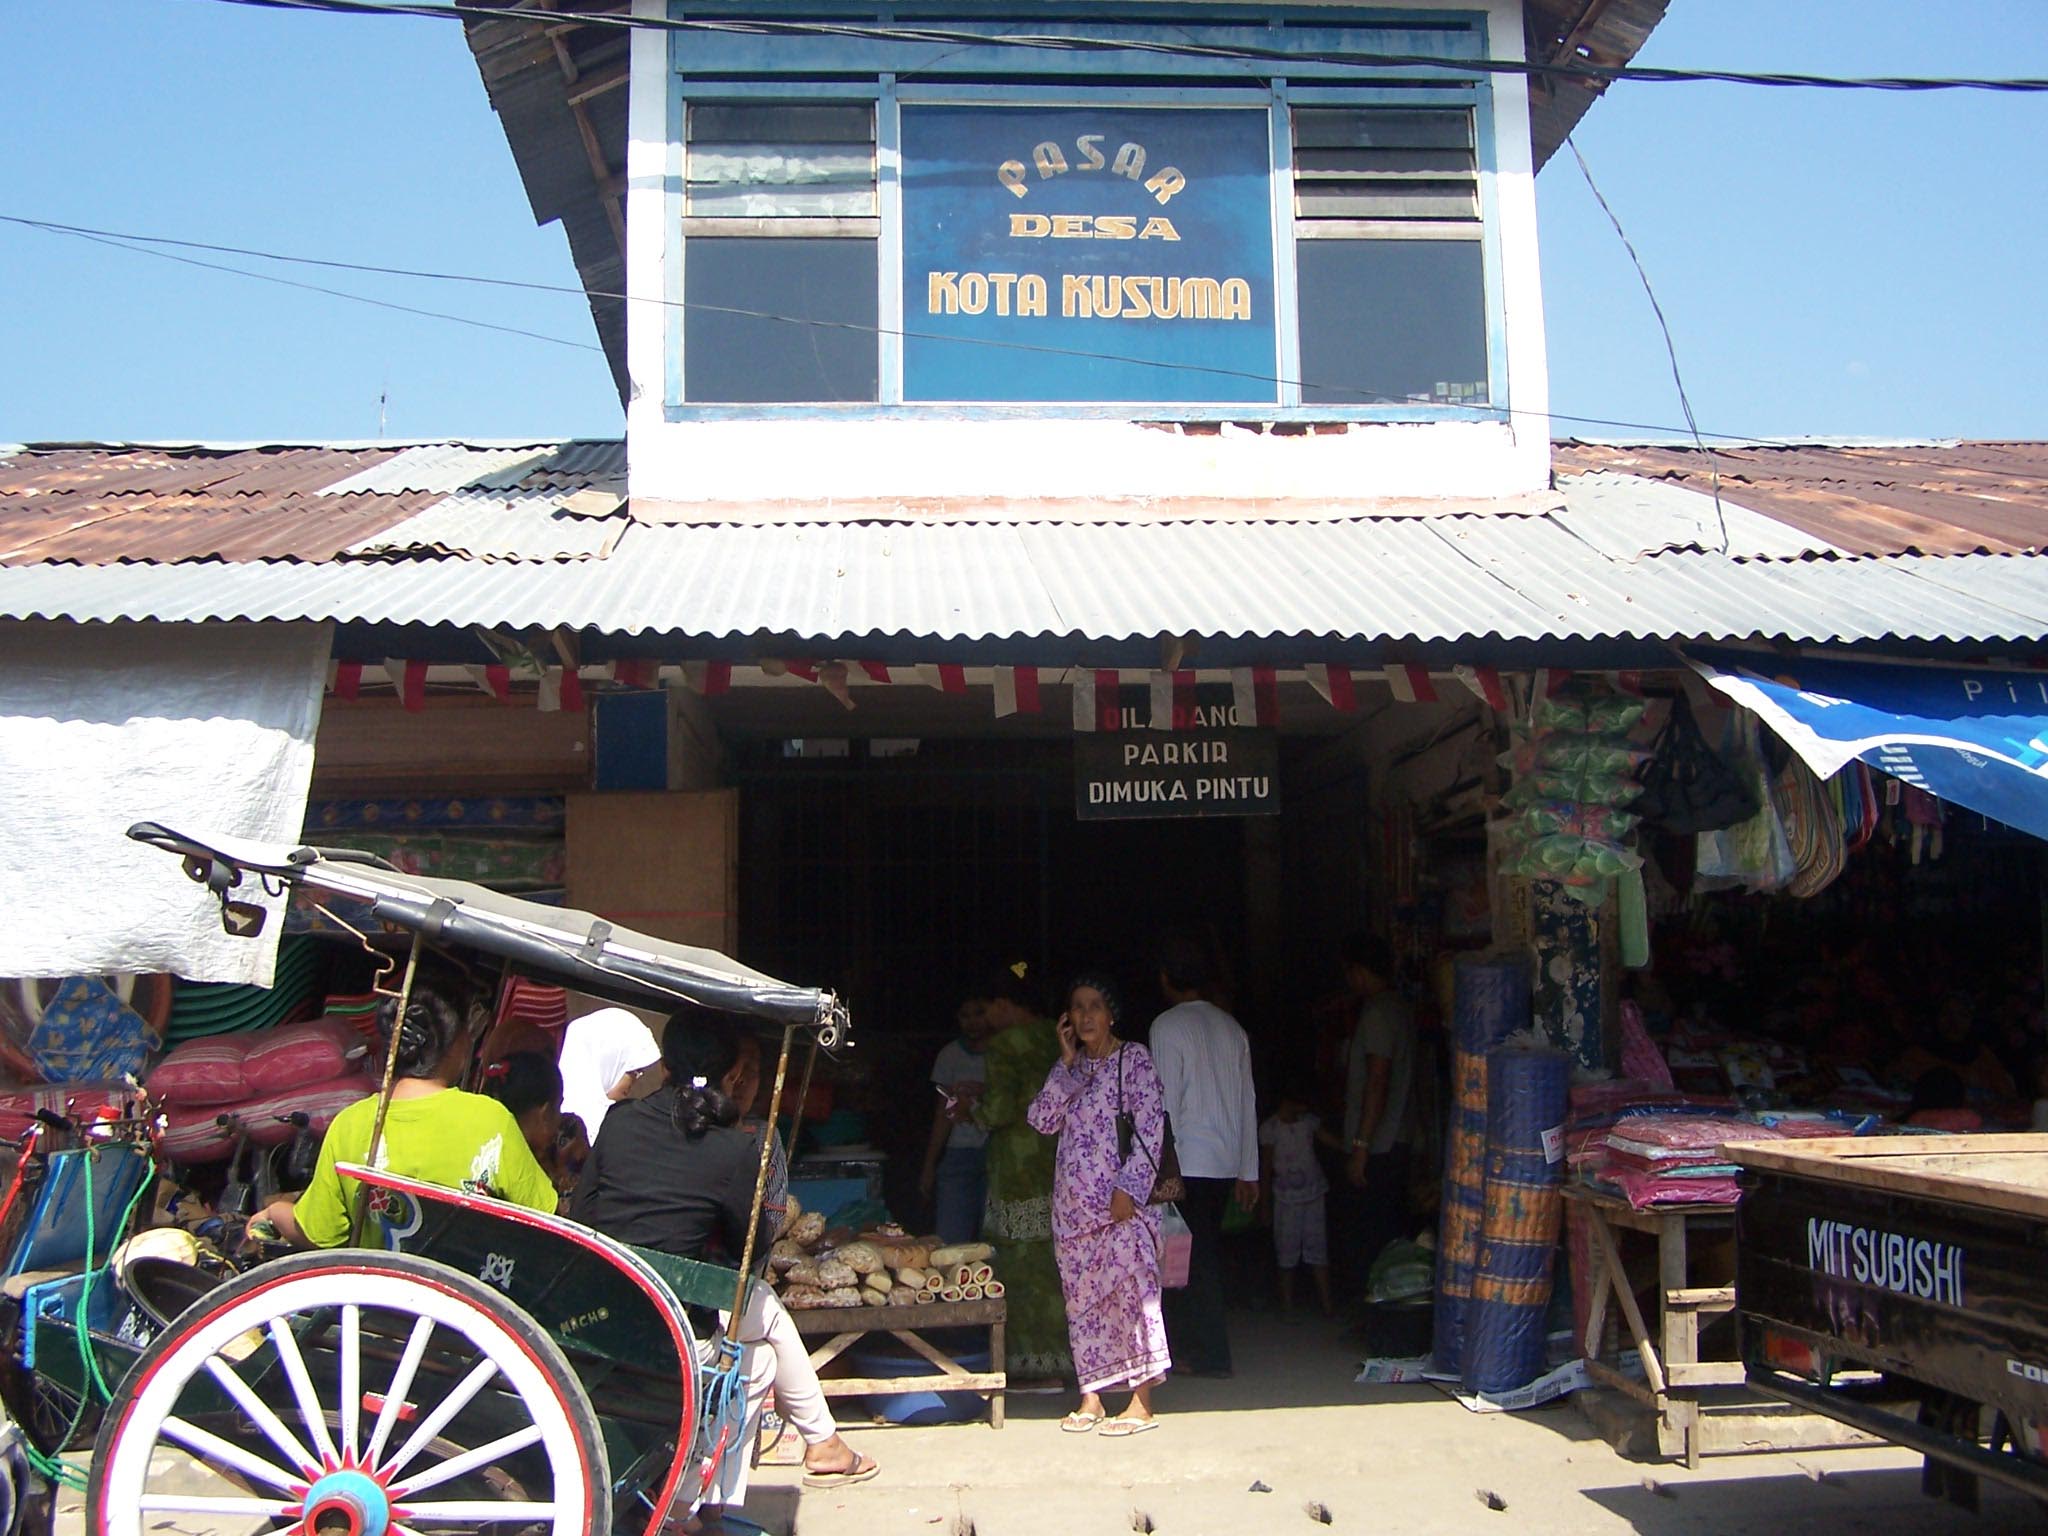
(1082, 254)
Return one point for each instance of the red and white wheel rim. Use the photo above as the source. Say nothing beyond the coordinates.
(375, 1430)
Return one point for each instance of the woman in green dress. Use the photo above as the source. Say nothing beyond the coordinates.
(1020, 1051)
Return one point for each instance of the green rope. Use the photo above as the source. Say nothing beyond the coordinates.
(55, 1468)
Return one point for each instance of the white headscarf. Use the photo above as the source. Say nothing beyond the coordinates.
(597, 1050)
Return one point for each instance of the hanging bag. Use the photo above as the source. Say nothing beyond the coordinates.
(1176, 1248)
(1688, 786)
(1167, 1186)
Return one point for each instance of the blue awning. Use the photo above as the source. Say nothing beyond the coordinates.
(1977, 737)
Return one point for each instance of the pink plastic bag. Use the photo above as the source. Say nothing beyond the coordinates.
(1176, 1249)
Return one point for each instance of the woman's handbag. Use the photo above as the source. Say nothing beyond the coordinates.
(1167, 1186)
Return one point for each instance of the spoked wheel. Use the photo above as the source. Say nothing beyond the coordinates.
(352, 1394)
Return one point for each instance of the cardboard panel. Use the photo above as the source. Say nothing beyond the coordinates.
(660, 862)
(455, 744)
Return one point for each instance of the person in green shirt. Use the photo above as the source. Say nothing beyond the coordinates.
(1020, 1050)
(434, 1131)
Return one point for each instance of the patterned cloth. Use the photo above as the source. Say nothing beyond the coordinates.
(1109, 1269)
(1019, 1220)
(88, 1035)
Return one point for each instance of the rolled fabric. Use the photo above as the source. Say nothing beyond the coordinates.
(1527, 1097)
(995, 1290)
(1490, 1001)
(970, 1293)
(950, 1293)
(983, 1273)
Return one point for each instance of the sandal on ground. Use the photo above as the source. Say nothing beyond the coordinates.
(863, 1468)
(1079, 1423)
(1123, 1429)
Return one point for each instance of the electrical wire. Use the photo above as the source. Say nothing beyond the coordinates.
(1577, 69)
(141, 245)
(123, 242)
(1670, 347)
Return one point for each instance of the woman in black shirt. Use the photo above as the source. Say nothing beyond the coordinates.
(675, 1172)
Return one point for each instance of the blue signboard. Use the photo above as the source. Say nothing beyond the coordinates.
(1079, 254)
(1976, 736)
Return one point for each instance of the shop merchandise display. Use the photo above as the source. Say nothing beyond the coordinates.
(1570, 810)
(814, 1266)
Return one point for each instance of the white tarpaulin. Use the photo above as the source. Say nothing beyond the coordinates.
(207, 728)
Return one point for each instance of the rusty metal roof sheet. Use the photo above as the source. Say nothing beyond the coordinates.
(446, 468)
(1877, 499)
(1606, 32)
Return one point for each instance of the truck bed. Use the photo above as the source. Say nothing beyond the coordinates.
(1924, 1259)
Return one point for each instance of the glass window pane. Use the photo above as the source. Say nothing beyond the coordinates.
(809, 331)
(1392, 321)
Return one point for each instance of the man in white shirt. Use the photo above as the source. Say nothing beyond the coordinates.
(1205, 1066)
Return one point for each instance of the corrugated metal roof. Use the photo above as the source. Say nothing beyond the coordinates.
(117, 469)
(1607, 32)
(443, 467)
(1626, 518)
(1414, 580)
(502, 525)
(97, 530)
(1930, 498)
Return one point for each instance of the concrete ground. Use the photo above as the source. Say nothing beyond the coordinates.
(1406, 1460)
(1395, 1461)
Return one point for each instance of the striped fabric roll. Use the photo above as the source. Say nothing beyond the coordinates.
(1524, 1210)
(1490, 1002)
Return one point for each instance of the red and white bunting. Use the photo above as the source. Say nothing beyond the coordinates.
(1016, 690)
(1162, 701)
(1628, 682)
(547, 693)
(876, 672)
(409, 678)
(1173, 699)
(635, 672)
(345, 678)
(1334, 684)
(1409, 684)
(832, 678)
(1485, 684)
(494, 680)
(945, 677)
(1551, 681)
(572, 689)
(1255, 695)
(1096, 705)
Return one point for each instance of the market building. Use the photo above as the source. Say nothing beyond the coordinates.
(1073, 487)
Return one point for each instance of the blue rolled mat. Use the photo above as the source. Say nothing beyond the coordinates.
(1523, 1211)
(1491, 1001)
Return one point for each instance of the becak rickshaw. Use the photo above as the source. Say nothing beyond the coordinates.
(471, 1365)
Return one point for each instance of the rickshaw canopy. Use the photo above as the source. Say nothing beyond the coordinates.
(561, 944)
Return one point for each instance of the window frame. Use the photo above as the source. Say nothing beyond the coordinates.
(1279, 99)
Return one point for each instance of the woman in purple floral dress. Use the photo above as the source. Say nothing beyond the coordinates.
(1105, 1235)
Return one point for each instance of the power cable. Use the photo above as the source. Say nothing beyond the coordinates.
(122, 243)
(1670, 347)
(1580, 69)
(141, 245)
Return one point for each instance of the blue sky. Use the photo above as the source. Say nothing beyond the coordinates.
(1831, 263)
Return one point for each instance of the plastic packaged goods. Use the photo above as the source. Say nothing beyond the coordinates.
(1590, 713)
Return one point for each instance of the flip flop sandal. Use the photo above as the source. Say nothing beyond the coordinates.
(1079, 1423)
(1123, 1429)
(863, 1468)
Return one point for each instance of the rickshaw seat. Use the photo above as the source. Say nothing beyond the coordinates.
(695, 1283)
(17, 1286)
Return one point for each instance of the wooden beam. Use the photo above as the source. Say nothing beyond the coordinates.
(588, 86)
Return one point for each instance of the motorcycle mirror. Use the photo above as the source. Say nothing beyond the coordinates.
(243, 919)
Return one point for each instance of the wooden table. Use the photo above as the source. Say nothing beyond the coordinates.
(1673, 1372)
(842, 1327)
